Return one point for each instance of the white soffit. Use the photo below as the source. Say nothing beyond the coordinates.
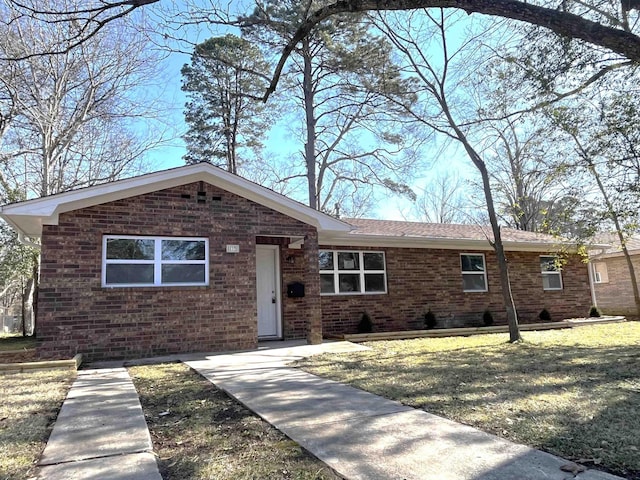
(29, 216)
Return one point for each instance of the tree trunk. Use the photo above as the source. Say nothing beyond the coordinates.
(503, 266)
(310, 145)
(28, 319)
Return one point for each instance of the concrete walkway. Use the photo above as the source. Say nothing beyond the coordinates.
(364, 436)
(100, 432)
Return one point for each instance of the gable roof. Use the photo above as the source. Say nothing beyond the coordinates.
(379, 233)
(29, 216)
(613, 249)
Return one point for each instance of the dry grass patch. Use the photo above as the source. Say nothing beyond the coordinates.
(16, 342)
(29, 404)
(574, 393)
(199, 432)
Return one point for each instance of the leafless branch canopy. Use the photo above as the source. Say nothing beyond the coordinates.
(84, 23)
(618, 40)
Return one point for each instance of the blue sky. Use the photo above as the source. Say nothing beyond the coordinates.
(278, 140)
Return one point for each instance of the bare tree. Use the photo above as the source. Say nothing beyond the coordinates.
(416, 35)
(607, 24)
(443, 200)
(520, 154)
(340, 80)
(70, 120)
(76, 117)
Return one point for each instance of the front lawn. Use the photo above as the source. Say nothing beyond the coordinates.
(16, 342)
(198, 432)
(574, 393)
(28, 406)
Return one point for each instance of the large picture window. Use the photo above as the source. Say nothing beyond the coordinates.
(132, 261)
(474, 274)
(551, 276)
(344, 273)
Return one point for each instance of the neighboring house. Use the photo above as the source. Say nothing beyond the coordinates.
(612, 290)
(197, 259)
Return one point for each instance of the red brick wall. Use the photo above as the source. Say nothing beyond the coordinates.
(419, 279)
(76, 314)
(615, 297)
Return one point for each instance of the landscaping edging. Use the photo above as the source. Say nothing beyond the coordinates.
(457, 332)
(71, 364)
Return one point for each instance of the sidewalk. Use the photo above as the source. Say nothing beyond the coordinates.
(364, 436)
(100, 432)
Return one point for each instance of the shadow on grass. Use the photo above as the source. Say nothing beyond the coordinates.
(16, 342)
(579, 402)
(200, 432)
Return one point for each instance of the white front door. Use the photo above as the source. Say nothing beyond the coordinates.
(268, 291)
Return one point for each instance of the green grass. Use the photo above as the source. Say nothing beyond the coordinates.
(574, 393)
(16, 342)
(28, 405)
(199, 432)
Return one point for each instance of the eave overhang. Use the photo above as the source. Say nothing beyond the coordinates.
(30, 216)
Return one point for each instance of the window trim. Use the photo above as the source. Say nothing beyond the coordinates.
(157, 262)
(483, 273)
(557, 272)
(361, 271)
(600, 275)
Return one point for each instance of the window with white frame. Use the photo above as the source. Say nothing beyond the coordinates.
(349, 272)
(136, 261)
(551, 275)
(474, 274)
(601, 272)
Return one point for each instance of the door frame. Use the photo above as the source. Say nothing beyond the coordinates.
(275, 249)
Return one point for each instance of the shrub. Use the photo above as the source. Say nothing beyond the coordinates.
(487, 318)
(365, 325)
(545, 316)
(594, 312)
(430, 320)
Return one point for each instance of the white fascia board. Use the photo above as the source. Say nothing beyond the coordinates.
(356, 240)
(29, 216)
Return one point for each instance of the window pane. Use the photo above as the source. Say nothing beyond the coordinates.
(130, 249)
(327, 284)
(183, 273)
(183, 250)
(349, 282)
(325, 260)
(348, 261)
(473, 282)
(373, 261)
(472, 263)
(551, 281)
(118, 273)
(548, 264)
(374, 282)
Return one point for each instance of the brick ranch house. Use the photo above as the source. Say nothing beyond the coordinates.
(197, 259)
(612, 291)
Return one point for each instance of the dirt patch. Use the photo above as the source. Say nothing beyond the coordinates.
(199, 432)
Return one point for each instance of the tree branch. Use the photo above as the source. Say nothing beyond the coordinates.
(563, 23)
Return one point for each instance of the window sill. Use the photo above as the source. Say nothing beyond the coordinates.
(351, 294)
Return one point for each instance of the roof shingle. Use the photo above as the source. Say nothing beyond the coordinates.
(393, 228)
